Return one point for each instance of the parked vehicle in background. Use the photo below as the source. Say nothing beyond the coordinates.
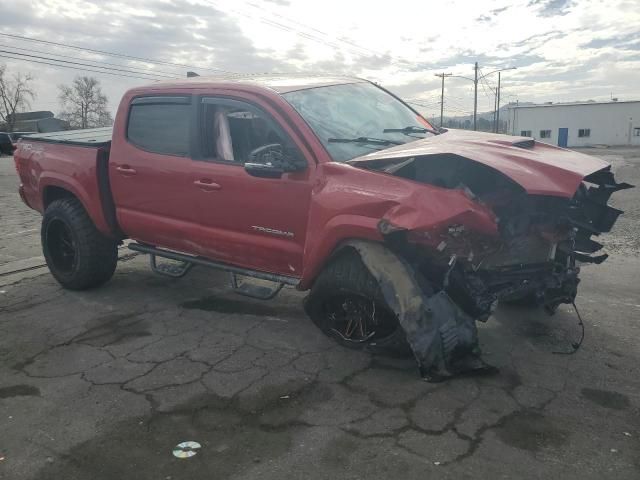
(403, 234)
(8, 141)
(6, 145)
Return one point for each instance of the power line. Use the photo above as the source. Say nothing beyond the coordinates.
(460, 111)
(307, 35)
(273, 23)
(483, 83)
(149, 76)
(425, 99)
(423, 104)
(74, 68)
(345, 41)
(133, 69)
(111, 54)
(419, 100)
(455, 105)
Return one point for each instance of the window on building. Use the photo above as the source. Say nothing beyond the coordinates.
(160, 125)
(584, 132)
(231, 130)
(636, 131)
(545, 133)
(525, 133)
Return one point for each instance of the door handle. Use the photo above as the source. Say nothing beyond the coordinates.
(126, 170)
(207, 185)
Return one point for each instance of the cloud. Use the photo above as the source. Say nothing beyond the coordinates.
(549, 8)
(559, 46)
(630, 40)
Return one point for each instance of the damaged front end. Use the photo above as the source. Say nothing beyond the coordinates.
(476, 236)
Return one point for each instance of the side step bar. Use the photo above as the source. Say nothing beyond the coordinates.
(174, 271)
(254, 291)
(190, 259)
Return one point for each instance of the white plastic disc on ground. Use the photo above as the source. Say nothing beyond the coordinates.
(186, 449)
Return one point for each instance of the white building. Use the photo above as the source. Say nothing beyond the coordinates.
(578, 124)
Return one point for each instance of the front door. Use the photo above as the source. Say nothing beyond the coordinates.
(563, 136)
(256, 223)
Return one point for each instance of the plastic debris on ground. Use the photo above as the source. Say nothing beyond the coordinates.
(186, 449)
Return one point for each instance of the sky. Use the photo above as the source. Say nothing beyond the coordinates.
(563, 50)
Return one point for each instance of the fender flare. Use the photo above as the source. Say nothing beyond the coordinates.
(91, 206)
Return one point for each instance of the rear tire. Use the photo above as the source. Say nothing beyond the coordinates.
(347, 305)
(77, 254)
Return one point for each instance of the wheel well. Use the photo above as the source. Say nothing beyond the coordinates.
(55, 193)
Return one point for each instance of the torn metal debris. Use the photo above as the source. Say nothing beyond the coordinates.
(444, 339)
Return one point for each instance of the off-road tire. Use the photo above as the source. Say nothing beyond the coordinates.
(94, 255)
(346, 274)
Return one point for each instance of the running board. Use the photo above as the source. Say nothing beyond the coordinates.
(174, 271)
(261, 292)
(193, 260)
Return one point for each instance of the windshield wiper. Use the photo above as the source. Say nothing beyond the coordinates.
(369, 140)
(410, 129)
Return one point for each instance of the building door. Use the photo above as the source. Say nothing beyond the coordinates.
(563, 136)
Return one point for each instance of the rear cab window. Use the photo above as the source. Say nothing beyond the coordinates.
(161, 124)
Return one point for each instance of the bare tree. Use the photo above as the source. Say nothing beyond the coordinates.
(83, 104)
(16, 95)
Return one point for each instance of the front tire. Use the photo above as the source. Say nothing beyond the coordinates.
(347, 305)
(77, 254)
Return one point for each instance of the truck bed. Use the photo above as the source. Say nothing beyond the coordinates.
(74, 161)
(90, 137)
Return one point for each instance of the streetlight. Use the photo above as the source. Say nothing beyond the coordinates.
(497, 101)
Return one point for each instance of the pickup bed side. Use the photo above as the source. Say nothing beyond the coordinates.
(50, 168)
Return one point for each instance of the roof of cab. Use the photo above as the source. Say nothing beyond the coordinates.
(281, 83)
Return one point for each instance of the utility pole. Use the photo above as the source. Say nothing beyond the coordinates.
(498, 106)
(495, 110)
(475, 97)
(442, 75)
(496, 114)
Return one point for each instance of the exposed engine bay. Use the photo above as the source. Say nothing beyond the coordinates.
(503, 244)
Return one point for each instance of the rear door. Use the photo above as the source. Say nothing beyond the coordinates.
(150, 172)
(256, 223)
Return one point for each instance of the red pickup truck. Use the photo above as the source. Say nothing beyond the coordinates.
(405, 234)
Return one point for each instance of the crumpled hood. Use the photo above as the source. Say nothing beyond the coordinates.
(540, 168)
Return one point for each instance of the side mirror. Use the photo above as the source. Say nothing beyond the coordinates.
(271, 161)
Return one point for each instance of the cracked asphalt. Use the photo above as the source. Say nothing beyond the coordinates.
(104, 384)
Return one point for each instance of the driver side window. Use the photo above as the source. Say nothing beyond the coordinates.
(231, 130)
